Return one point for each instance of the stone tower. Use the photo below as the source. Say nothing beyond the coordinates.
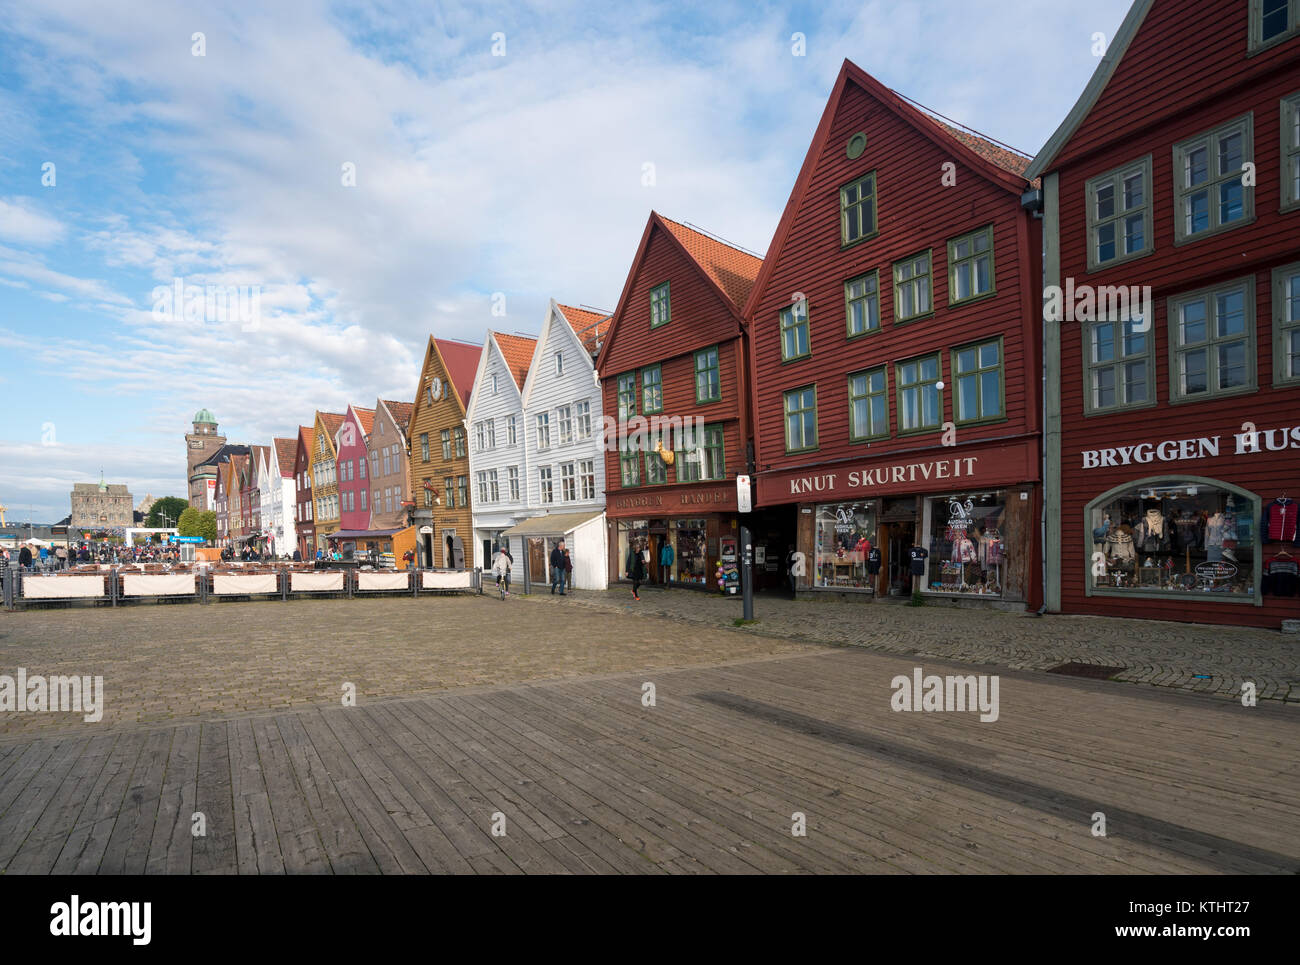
(200, 445)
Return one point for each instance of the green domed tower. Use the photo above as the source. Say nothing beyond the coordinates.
(201, 444)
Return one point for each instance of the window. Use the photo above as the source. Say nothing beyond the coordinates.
(459, 433)
(559, 363)
(1173, 537)
(801, 419)
(977, 374)
(361, 464)
(1209, 195)
(449, 488)
(543, 430)
(845, 535)
(480, 437)
(1271, 22)
(660, 311)
(715, 462)
(446, 445)
(494, 490)
(564, 416)
(494, 383)
(626, 396)
(428, 394)
(1119, 214)
(1120, 363)
(708, 383)
(587, 476)
(546, 486)
(512, 433)
(374, 462)
(629, 460)
(858, 209)
(794, 331)
(1212, 342)
(912, 288)
(868, 405)
(381, 427)
(970, 266)
(424, 446)
(652, 390)
(492, 433)
(568, 482)
(583, 410)
(689, 453)
(462, 489)
(920, 400)
(656, 470)
(1286, 324)
(1291, 152)
(512, 480)
(428, 492)
(862, 304)
(480, 478)
(363, 498)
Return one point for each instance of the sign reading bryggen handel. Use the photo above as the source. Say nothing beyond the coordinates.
(1248, 441)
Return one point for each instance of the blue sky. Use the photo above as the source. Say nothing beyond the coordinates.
(476, 174)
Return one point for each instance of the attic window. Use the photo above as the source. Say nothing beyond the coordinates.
(494, 383)
(857, 144)
(559, 363)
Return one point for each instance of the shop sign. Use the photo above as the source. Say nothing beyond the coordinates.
(1215, 572)
(1249, 440)
(902, 473)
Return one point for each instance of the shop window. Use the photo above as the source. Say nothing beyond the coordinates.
(708, 385)
(846, 534)
(1212, 342)
(868, 405)
(690, 540)
(1120, 361)
(970, 266)
(1119, 214)
(977, 374)
(1286, 325)
(968, 544)
(801, 419)
(920, 400)
(858, 209)
(1209, 194)
(912, 294)
(1175, 536)
(862, 304)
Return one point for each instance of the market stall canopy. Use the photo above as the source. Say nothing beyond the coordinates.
(553, 524)
(37, 542)
(362, 533)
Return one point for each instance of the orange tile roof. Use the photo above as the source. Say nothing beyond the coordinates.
(331, 421)
(401, 412)
(590, 327)
(996, 154)
(286, 451)
(733, 270)
(518, 353)
(366, 417)
(264, 452)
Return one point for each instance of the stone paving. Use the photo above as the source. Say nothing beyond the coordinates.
(1208, 659)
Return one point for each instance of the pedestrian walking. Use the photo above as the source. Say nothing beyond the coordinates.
(636, 569)
(568, 569)
(557, 568)
(501, 569)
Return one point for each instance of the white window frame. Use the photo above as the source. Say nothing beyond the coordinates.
(1245, 124)
(1115, 180)
(1173, 316)
(1290, 126)
(1255, 42)
(1286, 319)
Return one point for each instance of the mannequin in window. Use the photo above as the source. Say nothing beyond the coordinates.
(1152, 534)
(1119, 544)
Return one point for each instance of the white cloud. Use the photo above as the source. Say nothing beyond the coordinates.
(22, 222)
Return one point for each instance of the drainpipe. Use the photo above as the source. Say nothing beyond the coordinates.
(1032, 202)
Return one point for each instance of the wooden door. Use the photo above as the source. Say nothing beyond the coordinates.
(536, 559)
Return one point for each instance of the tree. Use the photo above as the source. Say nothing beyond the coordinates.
(170, 507)
(196, 522)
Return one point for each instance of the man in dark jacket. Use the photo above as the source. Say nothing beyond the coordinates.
(25, 557)
(557, 567)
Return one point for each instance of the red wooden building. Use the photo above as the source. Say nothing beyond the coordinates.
(1172, 429)
(895, 355)
(672, 369)
(306, 526)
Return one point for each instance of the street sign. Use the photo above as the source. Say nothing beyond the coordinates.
(185, 539)
(744, 502)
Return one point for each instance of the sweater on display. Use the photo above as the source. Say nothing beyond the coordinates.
(1152, 533)
(1281, 577)
(1280, 521)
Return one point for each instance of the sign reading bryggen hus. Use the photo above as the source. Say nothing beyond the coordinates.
(933, 470)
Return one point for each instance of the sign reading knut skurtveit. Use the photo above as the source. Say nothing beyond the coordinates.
(1249, 440)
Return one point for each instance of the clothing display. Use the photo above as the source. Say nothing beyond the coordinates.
(1281, 576)
(963, 550)
(1120, 544)
(1189, 530)
(873, 561)
(1152, 533)
(1280, 521)
(918, 556)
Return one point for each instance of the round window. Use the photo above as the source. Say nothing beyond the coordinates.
(857, 144)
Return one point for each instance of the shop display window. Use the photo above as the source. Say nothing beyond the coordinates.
(968, 544)
(1174, 537)
(845, 536)
(690, 544)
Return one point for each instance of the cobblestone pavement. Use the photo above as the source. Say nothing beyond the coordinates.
(164, 662)
(1209, 659)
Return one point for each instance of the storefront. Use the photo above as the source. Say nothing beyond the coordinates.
(959, 526)
(1201, 528)
(684, 540)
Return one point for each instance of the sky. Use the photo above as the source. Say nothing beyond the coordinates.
(365, 174)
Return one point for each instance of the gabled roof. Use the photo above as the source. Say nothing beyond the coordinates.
(222, 454)
(307, 438)
(285, 454)
(461, 362)
(1115, 52)
(994, 162)
(261, 457)
(732, 270)
(400, 413)
(590, 327)
(365, 418)
(331, 421)
(517, 350)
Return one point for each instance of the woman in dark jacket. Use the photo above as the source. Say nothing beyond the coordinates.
(635, 569)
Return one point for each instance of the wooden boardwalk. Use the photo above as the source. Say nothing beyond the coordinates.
(589, 780)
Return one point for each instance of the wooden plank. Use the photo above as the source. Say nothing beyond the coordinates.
(84, 847)
(38, 853)
(128, 846)
(257, 850)
(215, 851)
(299, 842)
(171, 850)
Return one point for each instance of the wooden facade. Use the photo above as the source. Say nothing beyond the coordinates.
(324, 470)
(440, 476)
(1178, 438)
(918, 311)
(680, 362)
(304, 515)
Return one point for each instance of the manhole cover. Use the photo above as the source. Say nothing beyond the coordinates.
(1091, 670)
